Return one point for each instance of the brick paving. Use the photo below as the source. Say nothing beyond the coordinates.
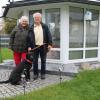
(8, 90)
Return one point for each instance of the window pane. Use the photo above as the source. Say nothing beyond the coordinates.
(92, 30)
(91, 53)
(31, 16)
(53, 55)
(76, 27)
(53, 21)
(75, 55)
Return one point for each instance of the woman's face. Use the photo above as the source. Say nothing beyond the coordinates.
(24, 23)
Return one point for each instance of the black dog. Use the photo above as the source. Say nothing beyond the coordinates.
(15, 76)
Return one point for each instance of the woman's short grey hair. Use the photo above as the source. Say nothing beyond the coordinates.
(23, 18)
(37, 14)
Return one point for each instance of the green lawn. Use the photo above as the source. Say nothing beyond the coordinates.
(85, 86)
(5, 53)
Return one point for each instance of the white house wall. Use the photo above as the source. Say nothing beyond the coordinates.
(64, 32)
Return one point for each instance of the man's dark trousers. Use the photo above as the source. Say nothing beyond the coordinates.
(41, 51)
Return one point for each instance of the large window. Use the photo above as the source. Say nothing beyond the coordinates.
(83, 34)
(92, 30)
(53, 21)
(92, 27)
(76, 30)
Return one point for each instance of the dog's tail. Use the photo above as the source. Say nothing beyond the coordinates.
(7, 81)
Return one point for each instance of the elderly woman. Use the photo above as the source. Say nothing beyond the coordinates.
(18, 40)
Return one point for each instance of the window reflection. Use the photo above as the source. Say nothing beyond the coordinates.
(53, 55)
(92, 30)
(76, 27)
(53, 21)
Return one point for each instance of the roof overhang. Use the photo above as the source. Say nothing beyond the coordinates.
(16, 6)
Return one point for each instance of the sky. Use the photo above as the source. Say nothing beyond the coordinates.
(3, 3)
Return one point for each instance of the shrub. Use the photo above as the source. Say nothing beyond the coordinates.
(9, 25)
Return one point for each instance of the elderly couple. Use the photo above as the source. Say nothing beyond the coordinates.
(23, 39)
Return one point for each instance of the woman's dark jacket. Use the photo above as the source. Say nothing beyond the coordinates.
(18, 39)
(47, 38)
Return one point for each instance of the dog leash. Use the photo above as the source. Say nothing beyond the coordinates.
(37, 47)
(34, 50)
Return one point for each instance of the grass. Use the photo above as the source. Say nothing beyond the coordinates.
(5, 53)
(85, 86)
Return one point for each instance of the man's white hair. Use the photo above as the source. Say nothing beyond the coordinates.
(37, 14)
(23, 18)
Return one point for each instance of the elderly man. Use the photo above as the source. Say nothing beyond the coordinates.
(39, 36)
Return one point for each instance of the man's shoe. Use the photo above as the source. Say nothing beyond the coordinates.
(35, 77)
(43, 76)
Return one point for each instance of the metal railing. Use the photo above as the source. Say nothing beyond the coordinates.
(4, 51)
(4, 41)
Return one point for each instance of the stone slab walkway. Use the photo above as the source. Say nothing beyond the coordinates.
(8, 90)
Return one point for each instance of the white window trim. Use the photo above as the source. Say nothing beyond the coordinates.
(76, 49)
(64, 50)
(99, 39)
(64, 33)
(84, 46)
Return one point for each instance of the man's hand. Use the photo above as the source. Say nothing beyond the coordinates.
(49, 47)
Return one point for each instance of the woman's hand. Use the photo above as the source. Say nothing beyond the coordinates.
(29, 49)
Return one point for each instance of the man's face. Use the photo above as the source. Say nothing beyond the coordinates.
(24, 23)
(37, 19)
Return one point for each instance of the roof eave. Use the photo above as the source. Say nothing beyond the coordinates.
(30, 2)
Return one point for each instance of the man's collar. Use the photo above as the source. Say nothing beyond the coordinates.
(35, 25)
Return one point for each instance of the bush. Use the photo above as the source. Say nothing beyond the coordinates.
(9, 25)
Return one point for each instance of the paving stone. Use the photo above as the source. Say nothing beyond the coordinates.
(8, 90)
